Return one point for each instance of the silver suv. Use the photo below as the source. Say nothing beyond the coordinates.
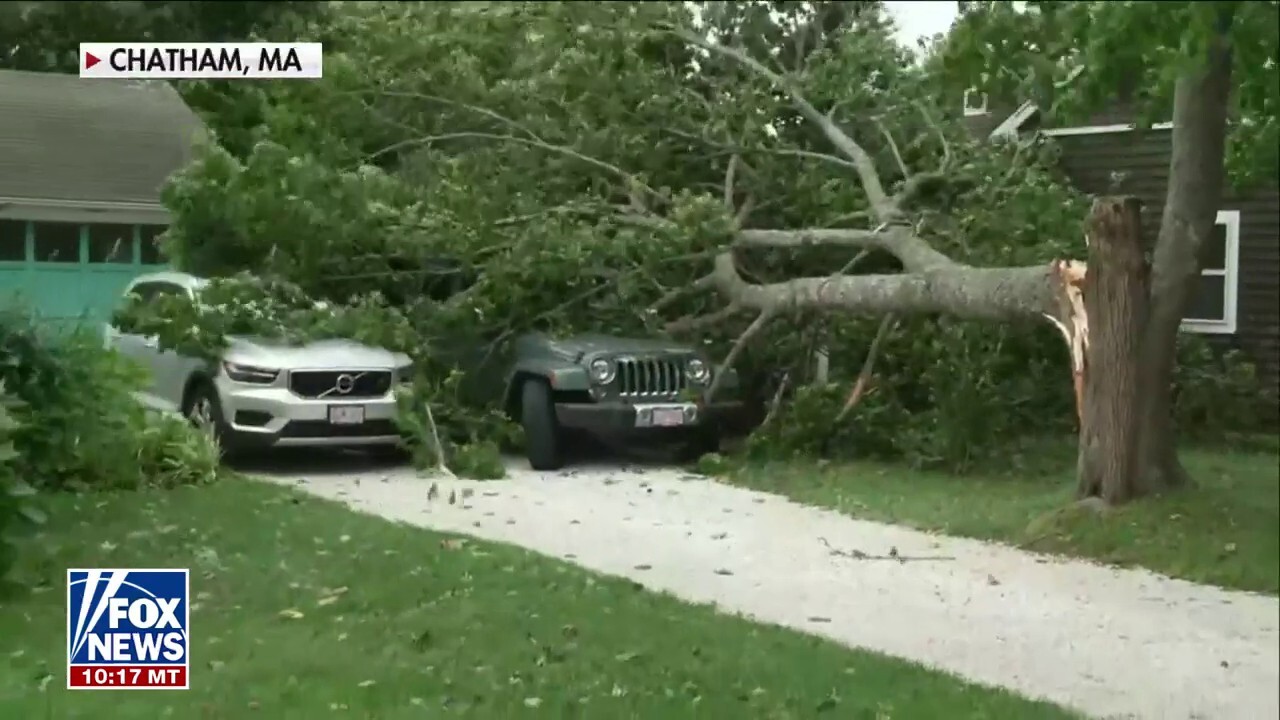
(261, 393)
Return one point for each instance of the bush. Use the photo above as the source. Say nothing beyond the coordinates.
(959, 396)
(170, 453)
(1218, 395)
(18, 512)
(82, 427)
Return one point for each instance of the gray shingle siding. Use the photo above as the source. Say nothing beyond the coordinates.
(67, 139)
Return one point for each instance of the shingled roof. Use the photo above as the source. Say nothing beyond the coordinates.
(69, 139)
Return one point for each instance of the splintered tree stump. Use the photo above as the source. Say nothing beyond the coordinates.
(1115, 300)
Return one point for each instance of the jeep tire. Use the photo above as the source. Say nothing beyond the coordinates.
(542, 436)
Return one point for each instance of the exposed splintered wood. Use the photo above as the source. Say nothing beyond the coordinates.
(1115, 301)
(1073, 322)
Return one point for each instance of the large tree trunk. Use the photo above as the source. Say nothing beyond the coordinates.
(1115, 298)
(1191, 205)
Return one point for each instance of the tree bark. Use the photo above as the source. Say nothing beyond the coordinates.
(1191, 206)
(1115, 298)
(1001, 293)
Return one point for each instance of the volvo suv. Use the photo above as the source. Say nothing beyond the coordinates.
(262, 393)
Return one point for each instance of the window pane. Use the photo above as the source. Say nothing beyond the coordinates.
(1209, 302)
(13, 240)
(151, 254)
(110, 243)
(1213, 255)
(57, 242)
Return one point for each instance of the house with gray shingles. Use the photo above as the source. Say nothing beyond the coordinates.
(1237, 303)
(82, 163)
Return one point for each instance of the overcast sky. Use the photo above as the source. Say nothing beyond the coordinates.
(922, 18)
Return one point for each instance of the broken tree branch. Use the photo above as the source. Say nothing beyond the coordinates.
(937, 129)
(441, 466)
(677, 293)
(689, 324)
(560, 149)
(914, 253)
(744, 212)
(492, 115)
(893, 554)
(893, 148)
(864, 375)
(729, 174)
(884, 206)
(1000, 293)
(811, 154)
(776, 402)
(755, 327)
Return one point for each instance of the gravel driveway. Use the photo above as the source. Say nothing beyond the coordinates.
(1112, 643)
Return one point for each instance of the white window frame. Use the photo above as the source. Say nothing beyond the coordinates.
(974, 110)
(1230, 283)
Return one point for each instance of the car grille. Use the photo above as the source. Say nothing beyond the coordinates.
(322, 383)
(650, 377)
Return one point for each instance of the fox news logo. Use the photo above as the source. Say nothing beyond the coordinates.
(227, 61)
(127, 629)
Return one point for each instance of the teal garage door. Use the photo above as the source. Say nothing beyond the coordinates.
(67, 272)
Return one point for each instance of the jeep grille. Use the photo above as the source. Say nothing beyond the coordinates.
(650, 377)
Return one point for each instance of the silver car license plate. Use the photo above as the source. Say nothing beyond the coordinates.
(668, 417)
(346, 414)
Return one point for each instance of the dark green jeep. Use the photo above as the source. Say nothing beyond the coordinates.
(612, 386)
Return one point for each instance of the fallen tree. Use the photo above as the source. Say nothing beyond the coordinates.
(645, 200)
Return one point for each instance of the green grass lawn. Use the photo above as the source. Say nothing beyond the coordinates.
(1224, 531)
(303, 609)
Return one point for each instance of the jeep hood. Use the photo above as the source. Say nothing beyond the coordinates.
(336, 354)
(590, 344)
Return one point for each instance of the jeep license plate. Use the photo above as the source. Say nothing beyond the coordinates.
(668, 417)
(346, 414)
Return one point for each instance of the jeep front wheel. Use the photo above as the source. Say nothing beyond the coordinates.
(541, 431)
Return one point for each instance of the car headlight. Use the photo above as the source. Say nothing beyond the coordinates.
(698, 371)
(404, 375)
(250, 373)
(602, 371)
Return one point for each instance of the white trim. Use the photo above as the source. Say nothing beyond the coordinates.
(974, 110)
(1009, 127)
(1102, 129)
(81, 204)
(1230, 285)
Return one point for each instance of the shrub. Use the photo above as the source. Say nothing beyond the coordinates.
(170, 453)
(82, 427)
(18, 512)
(958, 396)
(1218, 394)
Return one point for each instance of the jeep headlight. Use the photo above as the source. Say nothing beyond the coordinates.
(602, 371)
(698, 371)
